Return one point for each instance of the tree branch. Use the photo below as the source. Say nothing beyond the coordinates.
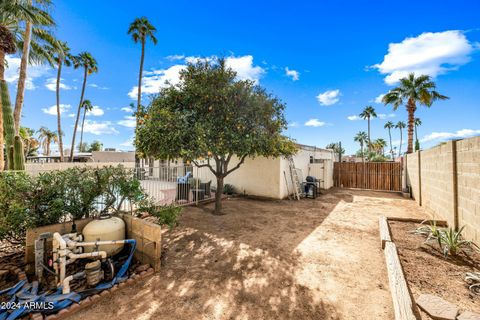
(205, 165)
(242, 159)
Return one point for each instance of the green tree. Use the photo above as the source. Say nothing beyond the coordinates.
(61, 55)
(33, 38)
(337, 148)
(87, 107)
(95, 146)
(211, 115)
(413, 90)
(417, 123)
(400, 125)
(368, 113)
(380, 146)
(46, 137)
(30, 144)
(361, 138)
(89, 64)
(389, 126)
(141, 30)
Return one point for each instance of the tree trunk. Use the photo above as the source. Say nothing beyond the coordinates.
(411, 123)
(390, 137)
(218, 196)
(48, 147)
(78, 114)
(2, 73)
(81, 131)
(17, 113)
(369, 144)
(139, 97)
(400, 147)
(59, 122)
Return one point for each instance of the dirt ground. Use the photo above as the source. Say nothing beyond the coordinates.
(427, 271)
(312, 259)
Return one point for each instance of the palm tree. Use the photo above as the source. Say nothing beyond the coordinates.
(33, 41)
(89, 64)
(61, 55)
(361, 138)
(46, 137)
(413, 90)
(87, 107)
(380, 144)
(368, 113)
(400, 125)
(30, 144)
(417, 122)
(337, 149)
(141, 30)
(389, 125)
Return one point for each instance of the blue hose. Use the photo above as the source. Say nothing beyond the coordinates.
(23, 293)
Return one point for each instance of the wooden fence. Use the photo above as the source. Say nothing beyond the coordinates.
(369, 175)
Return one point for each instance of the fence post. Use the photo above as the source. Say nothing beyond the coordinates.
(419, 178)
(455, 185)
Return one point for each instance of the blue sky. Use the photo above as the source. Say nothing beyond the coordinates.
(326, 60)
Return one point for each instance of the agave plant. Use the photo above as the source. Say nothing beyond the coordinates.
(473, 279)
(452, 241)
(431, 231)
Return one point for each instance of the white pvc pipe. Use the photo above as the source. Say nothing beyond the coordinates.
(60, 258)
(75, 256)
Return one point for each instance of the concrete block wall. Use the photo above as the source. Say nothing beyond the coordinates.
(468, 182)
(448, 183)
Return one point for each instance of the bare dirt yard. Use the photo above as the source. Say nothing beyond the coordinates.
(308, 259)
(428, 271)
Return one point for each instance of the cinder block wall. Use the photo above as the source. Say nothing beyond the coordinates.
(468, 179)
(449, 183)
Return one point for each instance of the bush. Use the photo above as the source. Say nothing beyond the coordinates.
(228, 189)
(167, 214)
(57, 196)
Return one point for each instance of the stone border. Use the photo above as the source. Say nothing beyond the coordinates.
(88, 301)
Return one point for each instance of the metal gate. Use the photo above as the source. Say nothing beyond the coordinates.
(368, 175)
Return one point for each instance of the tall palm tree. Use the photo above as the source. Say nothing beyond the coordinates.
(380, 144)
(368, 113)
(87, 107)
(61, 55)
(46, 137)
(400, 125)
(413, 90)
(141, 30)
(89, 64)
(417, 122)
(33, 40)
(389, 126)
(361, 138)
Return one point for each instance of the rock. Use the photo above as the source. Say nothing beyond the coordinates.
(437, 308)
(468, 315)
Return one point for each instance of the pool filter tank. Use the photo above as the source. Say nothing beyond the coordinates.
(105, 228)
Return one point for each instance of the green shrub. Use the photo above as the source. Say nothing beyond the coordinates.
(431, 231)
(228, 189)
(167, 214)
(452, 241)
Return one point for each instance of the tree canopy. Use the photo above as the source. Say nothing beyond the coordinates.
(212, 115)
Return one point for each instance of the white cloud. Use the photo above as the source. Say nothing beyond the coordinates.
(34, 71)
(93, 85)
(71, 115)
(127, 109)
(245, 68)
(379, 98)
(329, 97)
(128, 122)
(51, 84)
(385, 116)
(96, 112)
(293, 124)
(464, 133)
(430, 53)
(175, 57)
(294, 74)
(127, 143)
(99, 128)
(156, 79)
(52, 110)
(315, 123)
(354, 118)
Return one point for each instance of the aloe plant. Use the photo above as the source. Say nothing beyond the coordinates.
(431, 231)
(452, 241)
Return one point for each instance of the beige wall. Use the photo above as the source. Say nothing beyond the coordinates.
(34, 168)
(113, 156)
(449, 183)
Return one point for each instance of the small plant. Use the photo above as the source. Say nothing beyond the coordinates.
(473, 280)
(452, 241)
(431, 231)
(167, 214)
(228, 189)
